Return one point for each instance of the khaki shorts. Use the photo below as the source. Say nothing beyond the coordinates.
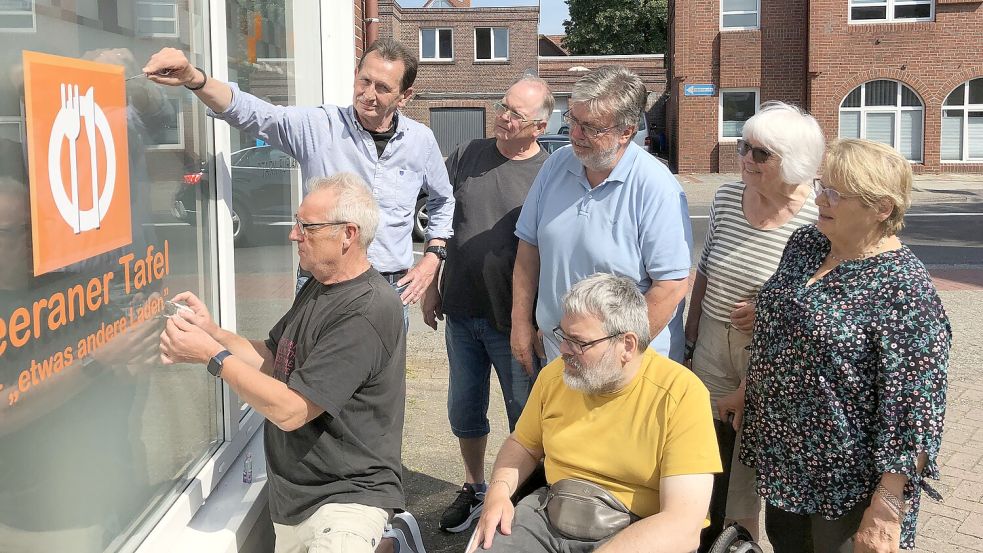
(721, 360)
(334, 528)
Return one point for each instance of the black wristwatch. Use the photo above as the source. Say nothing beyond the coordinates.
(439, 251)
(215, 363)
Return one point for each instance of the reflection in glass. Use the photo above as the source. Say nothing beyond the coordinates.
(97, 436)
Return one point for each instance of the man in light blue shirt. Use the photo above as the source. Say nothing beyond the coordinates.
(602, 204)
(394, 154)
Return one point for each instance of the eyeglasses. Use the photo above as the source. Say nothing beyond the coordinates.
(758, 154)
(512, 115)
(303, 227)
(577, 346)
(590, 131)
(833, 196)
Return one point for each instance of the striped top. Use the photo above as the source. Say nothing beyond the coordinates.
(738, 258)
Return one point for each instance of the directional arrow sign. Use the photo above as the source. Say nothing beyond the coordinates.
(699, 90)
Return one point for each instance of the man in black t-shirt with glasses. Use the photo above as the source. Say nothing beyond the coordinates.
(330, 379)
(491, 178)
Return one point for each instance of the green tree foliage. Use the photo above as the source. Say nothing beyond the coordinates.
(607, 27)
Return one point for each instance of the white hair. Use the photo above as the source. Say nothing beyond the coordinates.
(612, 90)
(354, 203)
(793, 134)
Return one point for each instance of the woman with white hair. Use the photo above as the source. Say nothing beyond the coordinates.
(750, 221)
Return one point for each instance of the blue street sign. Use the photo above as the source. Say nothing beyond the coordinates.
(699, 90)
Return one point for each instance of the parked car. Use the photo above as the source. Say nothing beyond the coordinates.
(553, 142)
(261, 180)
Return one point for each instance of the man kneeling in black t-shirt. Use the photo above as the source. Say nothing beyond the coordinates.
(330, 378)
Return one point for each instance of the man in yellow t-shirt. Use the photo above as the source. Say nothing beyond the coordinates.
(613, 412)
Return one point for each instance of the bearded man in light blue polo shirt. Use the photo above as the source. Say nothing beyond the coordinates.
(602, 205)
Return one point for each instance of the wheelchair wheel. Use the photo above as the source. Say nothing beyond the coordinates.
(735, 539)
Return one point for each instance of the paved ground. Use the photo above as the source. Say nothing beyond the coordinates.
(433, 468)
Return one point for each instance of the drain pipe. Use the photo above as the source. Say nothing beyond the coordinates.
(371, 22)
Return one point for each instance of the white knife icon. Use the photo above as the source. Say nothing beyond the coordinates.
(88, 112)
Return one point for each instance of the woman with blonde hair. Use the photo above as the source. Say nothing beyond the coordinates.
(846, 387)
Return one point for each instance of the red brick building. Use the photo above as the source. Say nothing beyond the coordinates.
(905, 72)
(468, 58)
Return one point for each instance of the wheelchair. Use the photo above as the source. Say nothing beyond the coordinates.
(735, 539)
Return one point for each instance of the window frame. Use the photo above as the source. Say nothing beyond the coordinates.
(756, 12)
(436, 44)
(19, 122)
(34, 20)
(895, 110)
(966, 107)
(138, 18)
(889, 6)
(720, 111)
(491, 35)
(179, 115)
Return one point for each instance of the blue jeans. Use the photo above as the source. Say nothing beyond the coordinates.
(474, 345)
(302, 280)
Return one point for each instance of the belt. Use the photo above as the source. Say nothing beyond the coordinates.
(393, 277)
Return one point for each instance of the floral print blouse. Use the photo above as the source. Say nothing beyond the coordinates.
(847, 380)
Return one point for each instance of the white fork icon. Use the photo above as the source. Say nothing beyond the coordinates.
(72, 127)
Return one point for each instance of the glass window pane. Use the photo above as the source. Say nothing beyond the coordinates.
(16, 21)
(154, 9)
(849, 124)
(916, 11)
(976, 91)
(153, 27)
(957, 96)
(740, 20)
(738, 107)
(501, 42)
(867, 2)
(739, 6)
(446, 46)
(952, 135)
(101, 436)
(861, 14)
(852, 99)
(975, 134)
(10, 131)
(482, 43)
(910, 144)
(909, 98)
(880, 128)
(881, 93)
(427, 44)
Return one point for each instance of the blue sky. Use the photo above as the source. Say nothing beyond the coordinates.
(551, 12)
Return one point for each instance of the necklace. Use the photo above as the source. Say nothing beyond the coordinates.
(863, 255)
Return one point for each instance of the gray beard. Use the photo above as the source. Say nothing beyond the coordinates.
(599, 377)
(599, 160)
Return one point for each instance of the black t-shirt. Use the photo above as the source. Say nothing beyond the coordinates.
(341, 346)
(489, 190)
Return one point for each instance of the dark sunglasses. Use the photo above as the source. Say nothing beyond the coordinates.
(758, 154)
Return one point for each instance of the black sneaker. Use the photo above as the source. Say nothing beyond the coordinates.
(465, 510)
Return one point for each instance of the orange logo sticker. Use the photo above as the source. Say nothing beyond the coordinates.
(77, 154)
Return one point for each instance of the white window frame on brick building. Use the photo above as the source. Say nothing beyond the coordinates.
(493, 43)
(865, 113)
(962, 123)
(437, 33)
(167, 16)
(727, 133)
(14, 20)
(861, 9)
(735, 15)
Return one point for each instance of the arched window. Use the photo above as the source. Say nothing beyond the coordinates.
(962, 123)
(887, 112)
